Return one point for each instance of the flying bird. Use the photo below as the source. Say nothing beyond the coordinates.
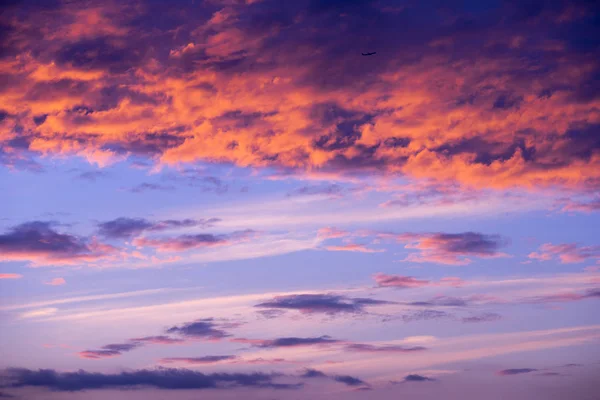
(369, 54)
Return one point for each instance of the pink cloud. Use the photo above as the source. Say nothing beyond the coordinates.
(567, 253)
(11, 276)
(401, 281)
(56, 282)
(353, 247)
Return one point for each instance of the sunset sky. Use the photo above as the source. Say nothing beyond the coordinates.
(224, 198)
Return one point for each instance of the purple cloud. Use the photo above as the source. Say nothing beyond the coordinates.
(197, 360)
(203, 328)
(124, 228)
(288, 341)
(516, 371)
(321, 303)
(368, 348)
(163, 378)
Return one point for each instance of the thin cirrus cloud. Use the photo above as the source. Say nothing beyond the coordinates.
(321, 303)
(353, 121)
(567, 253)
(125, 228)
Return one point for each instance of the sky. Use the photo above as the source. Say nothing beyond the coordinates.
(208, 199)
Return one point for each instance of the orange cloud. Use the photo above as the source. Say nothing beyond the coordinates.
(109, 86)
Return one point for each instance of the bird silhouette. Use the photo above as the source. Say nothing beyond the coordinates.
(369, 54)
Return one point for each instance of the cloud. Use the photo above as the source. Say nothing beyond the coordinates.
(590, 206)
(40, 312)
(321, 303)
(79, 86)
(398, 281)
(288, 341)
(441, 301)
(435, 247)
(110, 350)
(568, 253)
(161, 339)
(452, 248)
(124, 228)
(56, 282)
(353, 247)
(197, 360)
(332, 190)
(406, 282)
(203, 328)
(195, 241)
(562, 297)
(38, 242)
(162, 378)
(486, 317)
(516, 371)
(145, 187)
(91, 176)
(313, 373)
(417, 378)
(11, 276)
(348, 380)
(368, 348)
(424, 315)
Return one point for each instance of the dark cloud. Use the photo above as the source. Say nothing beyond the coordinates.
(348, 380)
(516, 371)
(416, 378)
(123, 227)
(162, 378)
(313, 373)
(368, 348)
(40, 242)
(321, 303)
(194, 241)
(288, 341)
(204, 328)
